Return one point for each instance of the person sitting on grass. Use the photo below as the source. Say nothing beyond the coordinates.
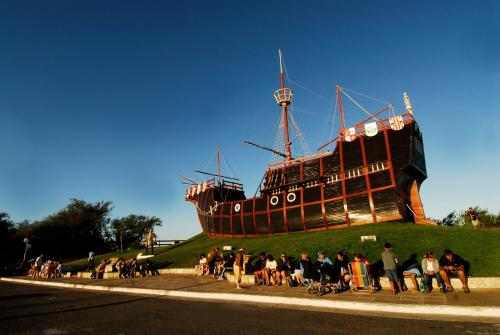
(284, 269)
(259, 267)
(390, 267)
(430, 267)
(411, 269)
(453, 266)
(306, 269)
(270, 271)
(340, 270)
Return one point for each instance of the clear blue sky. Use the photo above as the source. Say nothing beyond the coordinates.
(112, 100)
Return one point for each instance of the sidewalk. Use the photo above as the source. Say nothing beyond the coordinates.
(482, 304)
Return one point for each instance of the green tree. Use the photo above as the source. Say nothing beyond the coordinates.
(71, 232)
(11, 250)
(130, 230)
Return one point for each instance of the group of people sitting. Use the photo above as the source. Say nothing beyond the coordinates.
(44, 269)
(124, 269)
(215, 264)
(288, 272)
(449, 266)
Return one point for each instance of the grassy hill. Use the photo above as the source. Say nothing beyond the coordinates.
(478, 247)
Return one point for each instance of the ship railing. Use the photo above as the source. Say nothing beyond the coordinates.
(396, 122)
(213, 183)
(330, 178)
(359, 130)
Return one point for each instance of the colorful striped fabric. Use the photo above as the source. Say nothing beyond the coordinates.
(359, 274)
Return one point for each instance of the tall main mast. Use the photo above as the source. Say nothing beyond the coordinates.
(283, 97)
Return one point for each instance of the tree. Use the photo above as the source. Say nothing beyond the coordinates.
(10, 246)
(130, 230)
(71, 232)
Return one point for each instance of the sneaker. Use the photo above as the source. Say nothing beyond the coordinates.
(466, 289)
(443, 290)
(450, 289)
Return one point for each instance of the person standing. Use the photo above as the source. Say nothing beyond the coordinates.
(91, 260)
(473, 217)
(38, 265)
(391, 267)
(238, 267)
(150, 241)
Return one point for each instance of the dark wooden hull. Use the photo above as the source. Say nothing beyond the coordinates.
(369, 180)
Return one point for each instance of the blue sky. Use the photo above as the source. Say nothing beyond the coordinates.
(113, 100)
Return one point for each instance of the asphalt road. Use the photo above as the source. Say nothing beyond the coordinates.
(26, 309)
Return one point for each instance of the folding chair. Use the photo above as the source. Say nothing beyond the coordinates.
(360, 278)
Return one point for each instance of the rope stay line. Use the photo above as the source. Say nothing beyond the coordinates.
(298, 134)
(366, 96)
(333, 121)
(357, 104)
(418, 217)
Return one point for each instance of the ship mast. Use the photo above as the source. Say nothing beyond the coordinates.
(341, 108)
(218, 166)
(283, 97)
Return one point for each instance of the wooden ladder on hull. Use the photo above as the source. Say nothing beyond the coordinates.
(417, 208)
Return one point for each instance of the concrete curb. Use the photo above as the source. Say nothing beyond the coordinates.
(431, 310)
(474, 282)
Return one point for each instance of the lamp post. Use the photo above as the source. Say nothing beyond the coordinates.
(26, 248)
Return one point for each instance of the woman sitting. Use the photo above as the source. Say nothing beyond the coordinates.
(284, 269)
(270, 271)
(202, 267)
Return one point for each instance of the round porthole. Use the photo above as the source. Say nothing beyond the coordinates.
(237, 208)
(291, 197)
(274, 200)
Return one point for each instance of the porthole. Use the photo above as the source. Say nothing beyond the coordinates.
(274, 200)
(237, 208)
(291, 197)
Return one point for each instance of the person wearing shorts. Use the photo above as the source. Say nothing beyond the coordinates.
(238, 267)
(390, 267)
(453, 266)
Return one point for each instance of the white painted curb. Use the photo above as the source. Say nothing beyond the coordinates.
(468, 311)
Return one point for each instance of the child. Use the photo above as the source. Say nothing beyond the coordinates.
(390, 267)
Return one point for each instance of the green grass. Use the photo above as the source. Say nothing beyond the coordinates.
(478, 247)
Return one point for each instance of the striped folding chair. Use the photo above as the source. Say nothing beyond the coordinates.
(360, 278)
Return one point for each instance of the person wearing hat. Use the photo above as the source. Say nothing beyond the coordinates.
(238, 267)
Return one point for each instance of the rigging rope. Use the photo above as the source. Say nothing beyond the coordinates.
(366, 96)
(415, 215)
(357, 104)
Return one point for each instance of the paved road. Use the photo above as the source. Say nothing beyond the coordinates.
(26, 309)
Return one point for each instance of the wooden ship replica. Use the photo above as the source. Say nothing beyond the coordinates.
(372, 175)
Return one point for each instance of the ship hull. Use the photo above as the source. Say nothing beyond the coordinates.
(367, 180)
